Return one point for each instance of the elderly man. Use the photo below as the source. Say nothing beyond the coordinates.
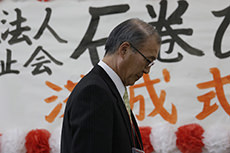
(98, 118)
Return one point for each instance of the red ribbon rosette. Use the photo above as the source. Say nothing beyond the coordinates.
(145, 135)
(37, 141)
(189, 138)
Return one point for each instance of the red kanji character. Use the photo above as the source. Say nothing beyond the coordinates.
(158, 102)
(54, 113)
(217, 83)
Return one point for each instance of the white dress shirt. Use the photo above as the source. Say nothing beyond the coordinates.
(115, 78)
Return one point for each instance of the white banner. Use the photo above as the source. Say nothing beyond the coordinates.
(47, 47)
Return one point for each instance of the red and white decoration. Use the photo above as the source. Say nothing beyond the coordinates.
(28, 121)
(162, 138)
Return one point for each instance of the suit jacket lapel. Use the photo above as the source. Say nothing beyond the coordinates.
(120, 103)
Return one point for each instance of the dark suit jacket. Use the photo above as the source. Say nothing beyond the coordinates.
(96, 120)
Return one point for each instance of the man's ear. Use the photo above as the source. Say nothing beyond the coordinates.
(124, 47)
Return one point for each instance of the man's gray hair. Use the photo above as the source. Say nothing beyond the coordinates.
(134, 31)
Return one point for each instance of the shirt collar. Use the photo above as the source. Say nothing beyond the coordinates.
(115, 78)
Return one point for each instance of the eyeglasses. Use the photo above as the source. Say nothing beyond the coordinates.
(149, 62)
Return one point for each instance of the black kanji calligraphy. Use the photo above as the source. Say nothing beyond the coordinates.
(6, 65)
(221, 31)
(163, 23)
(17, 33)
(3, 21)
(39, 61)
(87, 41)
(45, 25)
